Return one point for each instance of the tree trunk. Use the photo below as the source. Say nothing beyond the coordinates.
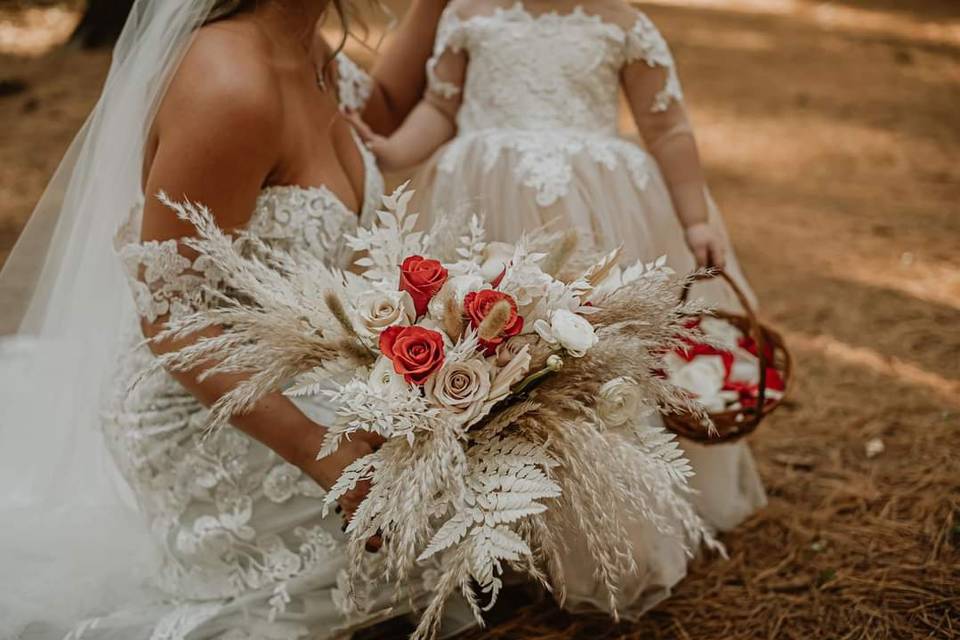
(102, 23)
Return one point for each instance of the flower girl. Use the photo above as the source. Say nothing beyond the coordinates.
(522, 104)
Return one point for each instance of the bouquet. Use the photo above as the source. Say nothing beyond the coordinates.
(517, 394)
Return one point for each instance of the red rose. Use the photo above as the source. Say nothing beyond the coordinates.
(477, 304)
(421, 278)
(415, 352)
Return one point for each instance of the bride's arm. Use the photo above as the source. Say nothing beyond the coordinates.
(200, 156)
(399, 73)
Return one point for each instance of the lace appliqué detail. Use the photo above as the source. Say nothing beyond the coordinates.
(645, 42)
(546, 159)
(165, 282)
(312, 219)
(354, 85)
(451, 36)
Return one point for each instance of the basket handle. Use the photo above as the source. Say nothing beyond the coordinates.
(755, 330)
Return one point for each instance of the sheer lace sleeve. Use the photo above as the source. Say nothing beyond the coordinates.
(445, 68)
(646, 46)
(165, 282)
(354, 85)
(650, 81)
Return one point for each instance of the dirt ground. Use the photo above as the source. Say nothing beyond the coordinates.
(831, 135)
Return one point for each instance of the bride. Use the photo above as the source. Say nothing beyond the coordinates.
(236, 104)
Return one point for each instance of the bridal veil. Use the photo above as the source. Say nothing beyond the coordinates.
(71, 542)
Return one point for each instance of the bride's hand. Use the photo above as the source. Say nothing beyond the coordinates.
(326, 471)
(707, 245)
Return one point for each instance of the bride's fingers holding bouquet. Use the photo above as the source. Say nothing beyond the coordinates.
(706, 245)
(325, 472)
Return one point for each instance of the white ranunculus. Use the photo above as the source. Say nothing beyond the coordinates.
(378, 310)
(572, 332)
(461, 387)
(619, 401)
(384, 378)
(459, 287)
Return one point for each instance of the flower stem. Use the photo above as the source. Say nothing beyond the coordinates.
(554, 364)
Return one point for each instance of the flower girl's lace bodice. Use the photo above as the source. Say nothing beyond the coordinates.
(230, 514)
(546, 85)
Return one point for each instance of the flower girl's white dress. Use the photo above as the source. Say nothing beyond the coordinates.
(537, 144)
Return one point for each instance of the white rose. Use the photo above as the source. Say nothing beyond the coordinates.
(619, 401)
(381, 309)
(496, 257)
(461, 387)
(384, 378)
(572, 332)
(457, 286)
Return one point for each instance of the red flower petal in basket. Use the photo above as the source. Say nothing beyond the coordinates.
(416, 352)
(699, 349)
(775, 380)
(422, 278)
(749, 344)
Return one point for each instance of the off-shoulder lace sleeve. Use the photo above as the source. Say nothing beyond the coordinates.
(165, 283)
(451, 40)
(645, 45)
(354, 85)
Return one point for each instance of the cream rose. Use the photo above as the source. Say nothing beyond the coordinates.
(381, 309)
(619, 401)
(568, 330)
(461, 387)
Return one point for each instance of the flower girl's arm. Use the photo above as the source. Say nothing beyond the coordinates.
(424, 131)
(656, 102)
(431, 123)
(399, 74)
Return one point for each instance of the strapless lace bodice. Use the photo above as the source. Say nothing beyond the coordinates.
(231, 516)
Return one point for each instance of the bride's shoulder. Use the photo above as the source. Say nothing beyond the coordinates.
(226, 77)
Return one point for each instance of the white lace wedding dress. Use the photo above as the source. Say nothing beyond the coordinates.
(537, 144)
(246, 554)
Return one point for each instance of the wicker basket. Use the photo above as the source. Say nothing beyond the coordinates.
(733, 425)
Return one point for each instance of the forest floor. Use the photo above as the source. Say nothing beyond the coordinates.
(831, 136)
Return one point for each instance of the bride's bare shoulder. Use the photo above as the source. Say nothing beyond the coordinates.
(225, 78)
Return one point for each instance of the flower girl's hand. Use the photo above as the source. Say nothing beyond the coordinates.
(378, 144)
(706, 245)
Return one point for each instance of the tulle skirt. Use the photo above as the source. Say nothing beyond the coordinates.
(617, 199)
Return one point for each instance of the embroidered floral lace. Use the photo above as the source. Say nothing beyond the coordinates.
(213, 501)
(551, 98)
